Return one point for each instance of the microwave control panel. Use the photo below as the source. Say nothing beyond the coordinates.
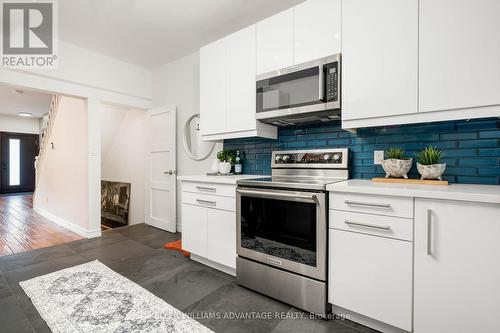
(331, 78)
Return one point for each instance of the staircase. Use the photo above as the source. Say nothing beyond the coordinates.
(46, 133)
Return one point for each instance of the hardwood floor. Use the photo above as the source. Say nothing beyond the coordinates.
(21, 229)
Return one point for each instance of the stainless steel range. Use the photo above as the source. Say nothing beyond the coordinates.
(282, 227)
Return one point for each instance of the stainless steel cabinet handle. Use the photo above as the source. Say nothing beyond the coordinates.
(311, 197)
(206, 189)
(368, 204)
(429, 232)
(368, 225)
(206, 202)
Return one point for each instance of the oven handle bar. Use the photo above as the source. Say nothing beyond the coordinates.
(367, 225)
(311, 197)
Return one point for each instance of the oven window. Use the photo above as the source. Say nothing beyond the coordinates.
(289, 90)
(284, 229)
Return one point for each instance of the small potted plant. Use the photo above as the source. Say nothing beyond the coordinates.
(396, 164)
(428, 163)
(226, 159)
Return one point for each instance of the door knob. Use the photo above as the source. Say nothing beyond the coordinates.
(169, 172)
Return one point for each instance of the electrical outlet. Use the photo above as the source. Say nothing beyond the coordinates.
(378, 156)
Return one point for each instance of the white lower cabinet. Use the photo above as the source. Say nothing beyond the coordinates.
(209, 223)
(457, 267)
(372, 276)
(221, 237)
(194, 229)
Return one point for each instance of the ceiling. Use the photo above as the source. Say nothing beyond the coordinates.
(12, 102)
(150, 33)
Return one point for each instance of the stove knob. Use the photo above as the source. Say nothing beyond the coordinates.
(287, 158)
(278, 158)
(327, 157)
(336, 157)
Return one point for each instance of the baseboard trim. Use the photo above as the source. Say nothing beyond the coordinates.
(66, 224)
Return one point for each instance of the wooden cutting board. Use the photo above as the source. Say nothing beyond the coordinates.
(409, 181)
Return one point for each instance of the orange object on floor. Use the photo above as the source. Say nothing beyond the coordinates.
(177, 245)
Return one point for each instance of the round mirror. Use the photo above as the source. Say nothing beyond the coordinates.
(193, 145)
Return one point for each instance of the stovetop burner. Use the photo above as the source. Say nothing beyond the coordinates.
(288, 182)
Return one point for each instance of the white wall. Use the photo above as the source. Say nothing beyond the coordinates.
(82, 73)
(123, 149)
(18, 124)
(178, 83)
(61, 192)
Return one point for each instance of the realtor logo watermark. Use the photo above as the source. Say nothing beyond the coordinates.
(29, 34)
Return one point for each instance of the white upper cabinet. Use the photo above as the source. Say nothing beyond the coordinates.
(379, 58)
(227, 89)
(240, 80)
(317, 29)
(213, 88)
(457, 272)
(459, 54)
(275, 42)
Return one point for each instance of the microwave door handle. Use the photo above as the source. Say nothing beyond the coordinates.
(321, 89)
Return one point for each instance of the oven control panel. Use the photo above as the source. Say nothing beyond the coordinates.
(305, 159)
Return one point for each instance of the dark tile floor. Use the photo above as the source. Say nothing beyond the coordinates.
(136, 252)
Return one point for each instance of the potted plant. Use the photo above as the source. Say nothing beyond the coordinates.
(396, 164)
(428, 163)
(226, 159)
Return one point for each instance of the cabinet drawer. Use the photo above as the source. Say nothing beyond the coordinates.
(393, 227)
(209, 201)
(210, 188)
(372, 204)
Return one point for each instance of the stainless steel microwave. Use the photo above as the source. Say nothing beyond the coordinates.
(305, 93)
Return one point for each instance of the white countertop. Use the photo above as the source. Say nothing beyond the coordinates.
(217, 179)
(461, 192)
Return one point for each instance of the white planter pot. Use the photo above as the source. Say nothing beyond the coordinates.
(224, 168)
(434, 171)
(215, 166)
(397, 168)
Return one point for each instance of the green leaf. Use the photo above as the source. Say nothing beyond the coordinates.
(396, 153)
(429, 156)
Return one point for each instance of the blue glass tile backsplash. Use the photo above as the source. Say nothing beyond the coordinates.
(472, 148)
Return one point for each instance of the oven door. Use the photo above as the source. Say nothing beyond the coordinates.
(294, 90)
(285, 229)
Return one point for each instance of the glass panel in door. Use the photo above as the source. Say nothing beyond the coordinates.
(290, 90)
(280, 228)
(14, 162)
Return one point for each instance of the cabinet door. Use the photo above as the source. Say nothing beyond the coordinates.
(194, 229)
(213, 88)
(275, 42)
(459, 54)
(241, 64)
(372, 276)
(457, 271)
(317, 26)
(221, 229)
(379, 58)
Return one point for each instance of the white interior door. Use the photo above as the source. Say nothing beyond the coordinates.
(161, 172)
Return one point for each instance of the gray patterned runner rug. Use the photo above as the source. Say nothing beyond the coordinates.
(92, 298)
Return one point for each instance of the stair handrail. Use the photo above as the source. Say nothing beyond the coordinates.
(47, 132)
